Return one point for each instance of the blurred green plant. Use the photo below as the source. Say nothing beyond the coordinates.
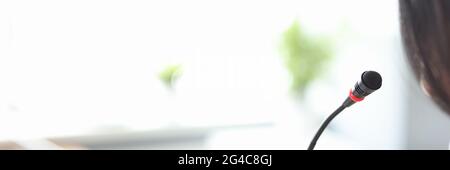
(304, 56)
(170, 74)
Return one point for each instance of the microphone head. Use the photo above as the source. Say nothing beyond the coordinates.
(371, 79)
(370, 82)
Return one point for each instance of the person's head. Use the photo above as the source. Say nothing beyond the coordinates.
(425, 27)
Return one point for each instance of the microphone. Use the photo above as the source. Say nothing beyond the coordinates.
(370, 82)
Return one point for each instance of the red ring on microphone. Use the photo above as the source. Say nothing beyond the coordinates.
(354, 98)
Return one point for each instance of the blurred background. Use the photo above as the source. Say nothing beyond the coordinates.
(202, 74)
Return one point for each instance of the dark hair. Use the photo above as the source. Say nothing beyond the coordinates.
(425, 28)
